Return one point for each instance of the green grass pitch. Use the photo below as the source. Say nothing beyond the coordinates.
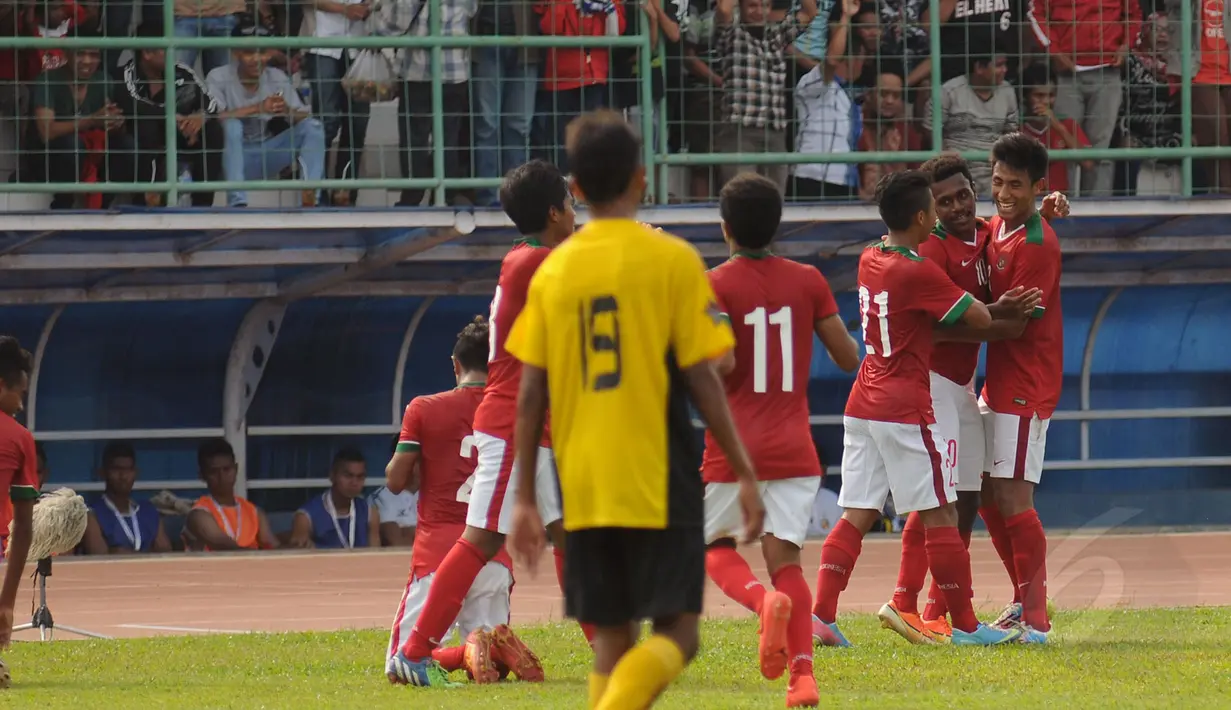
(1163, 658)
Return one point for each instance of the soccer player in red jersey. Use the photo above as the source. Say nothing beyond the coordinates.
(435, 457)
(890, 445)
(1024, 373)
(18, 473)
(957, 244)
(774, 305)
(537, 200)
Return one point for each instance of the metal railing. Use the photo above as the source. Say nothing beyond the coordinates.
(656, 153)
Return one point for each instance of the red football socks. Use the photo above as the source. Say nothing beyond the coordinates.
(838, 556)
(950, 563)
(1002, 542)
(1030, 560)
(790, 581)
(913, 568)
(734, 577)
(936, 607)
(586, 629)
(451, 659)
(450, 585)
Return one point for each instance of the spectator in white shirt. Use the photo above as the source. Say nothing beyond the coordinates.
(324, 69)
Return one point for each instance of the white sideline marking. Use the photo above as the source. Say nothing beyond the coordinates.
(191, 629)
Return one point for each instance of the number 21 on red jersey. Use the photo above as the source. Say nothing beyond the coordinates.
(875, 306)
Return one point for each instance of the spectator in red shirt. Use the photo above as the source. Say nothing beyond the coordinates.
(886, 128)
(1053, 131)
(1088, 41)
(574, 78)
(1210, 59)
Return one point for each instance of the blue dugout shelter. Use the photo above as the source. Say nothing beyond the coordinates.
(293, 333)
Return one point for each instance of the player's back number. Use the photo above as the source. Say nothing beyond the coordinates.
(760, 323)
(875, 307)
(467, 452)
(602, 365)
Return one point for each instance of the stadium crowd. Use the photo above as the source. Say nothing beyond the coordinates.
(733, 76)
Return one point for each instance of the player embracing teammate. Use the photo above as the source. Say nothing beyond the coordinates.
(1024, 376)
(891, 443)
(958, 244)
(774, 306)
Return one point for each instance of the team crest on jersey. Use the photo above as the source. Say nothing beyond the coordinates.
(715, 313)
(1000, 264)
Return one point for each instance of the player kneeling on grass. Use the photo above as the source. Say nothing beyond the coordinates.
(434, 429)
(638, 304)
(889, 445)
(774, 306)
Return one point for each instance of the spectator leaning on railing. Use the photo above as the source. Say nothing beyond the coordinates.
(206, 18)
(76, 134)
(503, 91)
(267, 127)
(324, 69)
(976, 109)
(1087, 42)
(753, 58)
(141, 97)
(413, 17)
(697, 105)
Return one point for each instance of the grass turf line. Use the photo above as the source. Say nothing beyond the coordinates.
(1150, 659)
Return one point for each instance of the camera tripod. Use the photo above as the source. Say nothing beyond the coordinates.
(41, 619)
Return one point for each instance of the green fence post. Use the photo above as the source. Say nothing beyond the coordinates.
(169, 95)
(1186, 96)
(934, 53)
(644, 67)
(438, 119)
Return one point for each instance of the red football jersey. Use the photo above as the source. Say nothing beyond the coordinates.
(498, 411)
(965, 264)
(773, 305)
(18, 469)
(441, 426)
(901, 296)
(1024, 375)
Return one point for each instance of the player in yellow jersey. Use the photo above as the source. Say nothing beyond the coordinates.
(620, 326)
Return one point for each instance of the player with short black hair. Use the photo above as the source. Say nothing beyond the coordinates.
(529, 195)
(890, 442)
(1024, 379)
(603, 154)
(18, 473)
(774, 306)
(638, 302)
(1021, 154)
(426, 461)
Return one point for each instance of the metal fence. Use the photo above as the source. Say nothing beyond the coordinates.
(494, 81)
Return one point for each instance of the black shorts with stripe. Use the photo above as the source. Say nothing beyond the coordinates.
(613, 576)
